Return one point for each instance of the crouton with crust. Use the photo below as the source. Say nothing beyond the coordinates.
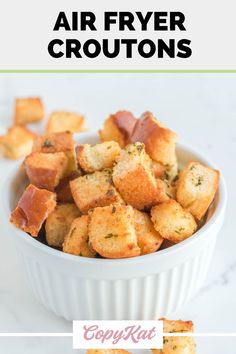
(118, 127)
(196, 188)
(28, 110)
(62, 121)
(97, 157)
(112, 233)
(172, 221)
(63, 189)
(93, 190)
(33, 208)
(58, 223)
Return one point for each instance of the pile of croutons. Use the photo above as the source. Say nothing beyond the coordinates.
(123, 197)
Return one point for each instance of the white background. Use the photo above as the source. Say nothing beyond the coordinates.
(202, 110)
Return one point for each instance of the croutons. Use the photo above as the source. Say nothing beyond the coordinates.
(107, 351)
(58, 142)
(149, 240)
(158, 169)
(65, 121)
(58, 223)
(196, 188)
(17, 142)
(98, 157)
(134, 179)
(112, 233)
(93, 190)
(76, 241)
(63, 189)
(177, 345)
(32, 210)
(28, 110)
(46, 170)
(118, 127)
(172, 221)
(159, 141)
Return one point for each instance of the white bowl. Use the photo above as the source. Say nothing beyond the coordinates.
(141, 288)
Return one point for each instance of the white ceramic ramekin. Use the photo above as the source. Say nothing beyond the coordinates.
(141, 288)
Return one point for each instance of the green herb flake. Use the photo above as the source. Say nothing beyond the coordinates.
(113, 209)
(179, 230)
(47, 144)
(110, 235)
(110, 192)
(199, 181)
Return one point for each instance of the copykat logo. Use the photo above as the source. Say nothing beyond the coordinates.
(117, 334)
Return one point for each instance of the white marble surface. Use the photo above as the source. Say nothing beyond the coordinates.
(202, 110)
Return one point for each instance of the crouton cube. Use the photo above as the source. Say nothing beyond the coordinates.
(118, 127)
(28, 110)
(58, 223)
(58, 142)
(159, 141)
(98, 157)
(65, 121)
(134, 179)
(93, 190)
(32, 210)
(158, 169)
(172, 221)
(112, 233)
(17, 142)
(63, 189)
(149, 240)
(46, 170)
(196, 188)
(177, 345)
(76, 241)
(107, 351)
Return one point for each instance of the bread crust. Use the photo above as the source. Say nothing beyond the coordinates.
(28, 110)
(61, 121)
(33, 209)
(63, 189)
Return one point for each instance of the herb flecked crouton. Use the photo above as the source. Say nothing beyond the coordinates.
(107, 351)
(65, 121)
(28, 110)
(45, 170)
(196, 188)
(172, 221)
(118, 127)
(76, 241)
(97, 157)
(33, 208)
(93, 190)
(112, 233)
(58, 223)
(134, 178)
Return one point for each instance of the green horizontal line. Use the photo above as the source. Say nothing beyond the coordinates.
(116, 71)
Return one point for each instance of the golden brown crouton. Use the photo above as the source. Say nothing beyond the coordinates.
(196, 188)
(76, 241)
(107, 351)
(46, 170)
(65, 121)
(32, 210)
(177, 345)
(134, 179)
(17, 142)
(93, 190)
(58, 142)
(159, 141)
(63, 189)
(58, 223)
(97, 157)
(149, 240)
(118, 127)
(158, 169)
(172, 221)
(112, 233)
(28, 110)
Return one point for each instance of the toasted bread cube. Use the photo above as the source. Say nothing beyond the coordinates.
(112, 233)
(65, 121)
(63, 189)
(107, 351)
(98, 157)
(93, 190)
(196, 188)
(159, 170)
(134, 179)
(177, 345)
(17, 142)
(149, 240)
(76, 241)
(172, 221)
(118, 127)
(28, 110)
(159, 141)
(32, 210)
(46, 170)
(58, 223)
(58, 142)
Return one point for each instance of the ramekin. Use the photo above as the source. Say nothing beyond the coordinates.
(141, 288)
